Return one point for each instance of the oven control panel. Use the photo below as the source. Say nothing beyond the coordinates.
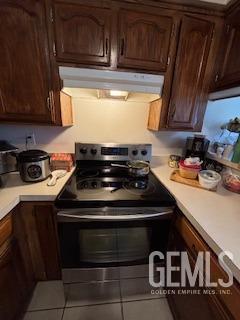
(113, 152)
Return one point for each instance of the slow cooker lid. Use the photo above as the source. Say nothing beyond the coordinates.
(33, 155)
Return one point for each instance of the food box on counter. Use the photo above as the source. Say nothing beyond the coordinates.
(61, 161)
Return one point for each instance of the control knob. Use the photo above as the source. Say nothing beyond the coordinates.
(144, 152)
(94, 185)
(135, 152)
(93, 151)
(83, 150)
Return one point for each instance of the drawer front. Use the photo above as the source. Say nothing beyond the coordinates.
(231, 300)
(196, 244)
(191, 238)
(5, 229)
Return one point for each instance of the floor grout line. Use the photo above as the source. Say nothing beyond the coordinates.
(93, 304)
(45, 309)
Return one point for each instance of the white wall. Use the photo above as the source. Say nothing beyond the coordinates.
(123, 122)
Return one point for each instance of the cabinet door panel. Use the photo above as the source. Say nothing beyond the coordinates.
(229, 62)
(24, 72)
(82, 34)
(144, 40)
(187, 100)
(191, 306)
(12, 284)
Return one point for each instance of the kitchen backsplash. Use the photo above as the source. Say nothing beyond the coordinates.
(113, 121)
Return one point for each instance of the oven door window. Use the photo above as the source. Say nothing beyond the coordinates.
(113, 245)
(100, 244)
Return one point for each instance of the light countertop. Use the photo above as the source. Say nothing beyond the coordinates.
(16, 190)
(215, 215)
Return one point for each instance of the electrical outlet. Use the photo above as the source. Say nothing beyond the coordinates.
(30, 139)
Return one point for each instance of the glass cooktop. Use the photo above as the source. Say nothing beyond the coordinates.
(103, 185)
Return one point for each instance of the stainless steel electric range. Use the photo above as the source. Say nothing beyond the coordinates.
(107, 217)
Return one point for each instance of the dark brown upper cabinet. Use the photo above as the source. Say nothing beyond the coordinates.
(228, 65)
(143, 40)
(190, 83)
(82, 34)
(29, 80)
(24, 68)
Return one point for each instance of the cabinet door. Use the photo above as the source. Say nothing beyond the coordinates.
(143, 40)
(191, 306)
(12, 285)
(42, 238)
(24, 70)
(82, 34)
(228, 73)
(189, 89)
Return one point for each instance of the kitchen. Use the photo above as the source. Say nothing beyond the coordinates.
(116, 83)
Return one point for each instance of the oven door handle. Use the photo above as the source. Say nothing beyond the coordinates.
(65, 216)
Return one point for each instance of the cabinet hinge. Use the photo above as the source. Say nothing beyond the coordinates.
(168, 61)
(216, 77)
(51, 15)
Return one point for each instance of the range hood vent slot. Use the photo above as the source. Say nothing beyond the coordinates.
(111, 80)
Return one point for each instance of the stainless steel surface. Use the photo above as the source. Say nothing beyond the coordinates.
(88, 151)
(112, 214)
(35, 171)
(8, 161)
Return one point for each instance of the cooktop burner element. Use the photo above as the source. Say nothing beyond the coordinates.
(89, 173)
(139, 187)
(95, 183)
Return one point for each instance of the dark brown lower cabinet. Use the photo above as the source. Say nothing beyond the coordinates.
(13, 284)
(191, 306)
(41, 229)
(201, 305)
(28, 253)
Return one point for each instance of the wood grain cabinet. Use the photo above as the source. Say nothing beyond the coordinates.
(40, 225)
(184, 238)
(14, 285)
(28, 253)
(24, 69)
(83, 34)
(27, 92)
(190, 85)
(143, 40)
(227, 73)
(11, 290)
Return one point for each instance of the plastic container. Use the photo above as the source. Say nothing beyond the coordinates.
(209, 179)
(232, 182)
(189, 172)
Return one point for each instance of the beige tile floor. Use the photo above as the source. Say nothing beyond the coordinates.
(119, 299)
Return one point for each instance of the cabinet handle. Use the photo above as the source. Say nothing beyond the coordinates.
(106, 46)
(49, 104)
(174, 111)
(194, 250)
(122, 47)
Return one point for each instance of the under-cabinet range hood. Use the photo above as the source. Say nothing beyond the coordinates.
(111, 80)
(225, 94)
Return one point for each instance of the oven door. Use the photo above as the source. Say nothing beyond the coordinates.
(111, 236)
